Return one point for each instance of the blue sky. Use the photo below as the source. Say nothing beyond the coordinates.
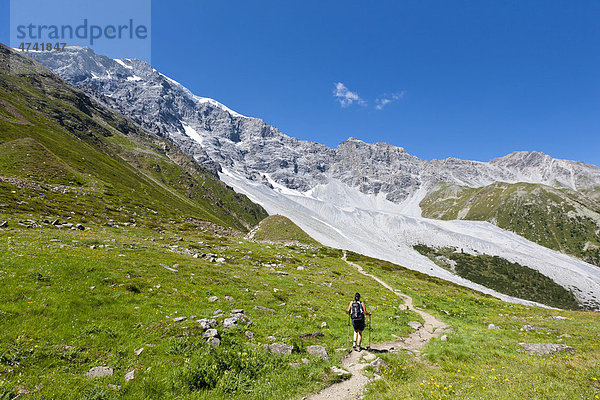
(467, 79)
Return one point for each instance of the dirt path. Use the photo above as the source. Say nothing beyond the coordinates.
(354, 361)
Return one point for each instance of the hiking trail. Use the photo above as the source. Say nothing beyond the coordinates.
(354, 362)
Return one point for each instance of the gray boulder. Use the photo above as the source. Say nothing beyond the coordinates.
(212, 299)
(280, 348)
(99, 372)
(229, 322)
(415, 325)
(378, 364)
(317, 350)
(210, 333)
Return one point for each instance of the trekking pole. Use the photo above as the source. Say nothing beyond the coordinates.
(369, 331)
(348, 332)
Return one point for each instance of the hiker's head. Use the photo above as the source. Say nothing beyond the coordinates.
(357, 296)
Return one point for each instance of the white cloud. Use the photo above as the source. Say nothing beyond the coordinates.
(387, 99)
(345, 96)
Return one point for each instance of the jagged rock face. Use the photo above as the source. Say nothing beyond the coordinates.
(219, 137)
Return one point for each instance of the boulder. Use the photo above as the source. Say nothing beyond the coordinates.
(444, 338)
(229, 298)
(280, 348)
(179, 319)
(378, 364)
(214, 342)
(80, 227)
(317, 350)
(210, 333)
(206, 323)
(237, 311)
(492, 326)
(249, 335)
(130, 375)
(415, 325)
(99, 372)
(545, 348)
(229, 322)
(212, 299)
(557, 318)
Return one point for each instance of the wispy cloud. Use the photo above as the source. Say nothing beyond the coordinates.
(387, 99)
(345, 96)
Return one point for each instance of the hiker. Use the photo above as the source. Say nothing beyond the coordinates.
(357, 311)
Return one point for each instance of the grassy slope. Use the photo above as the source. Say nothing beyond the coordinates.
(107, 162)
(558, 219)
(107, 301)
(277, 228)
(479, 363)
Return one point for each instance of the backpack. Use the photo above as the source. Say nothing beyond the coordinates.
(356, 311)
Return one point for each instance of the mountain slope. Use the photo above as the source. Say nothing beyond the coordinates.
(560, 219)
(358, 196)
(61, 139)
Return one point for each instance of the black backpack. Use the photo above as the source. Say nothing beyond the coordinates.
(356, 311)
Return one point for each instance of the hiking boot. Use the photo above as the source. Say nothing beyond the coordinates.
(359, 348)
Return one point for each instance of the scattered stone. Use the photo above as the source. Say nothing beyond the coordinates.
(249, 335)
(220, 260)
(444, 338)
(99, 372)
(206, 323)
(450, 330)
(179, 319)
(557, 318)
(210, 333)
(317, 350)
(300, 268)
(270, 338)
(80, 227)
(138, 351)
(492, 326)
(378, 365)
(327, 284)
(237, 311)
(218, 311)
(565, 335)
(545, 348)
(528, 328)
(415, 325)
(214, 342)
(323, 324)
(280, 348)
(403, 307)
(168, 268)
(114, 387)
(295, 365)
(229, 298)
(212, 299)
(130, 375)
(229, 323)
(339, 371)
(264, 309)
(4, 224)
(370, 357)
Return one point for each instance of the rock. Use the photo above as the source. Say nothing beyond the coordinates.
(317, 350)
(339, 371)
(80, 227)
(300, 268)
(218, 311)
(305, 360)
(229, 298)
(214, 342)
(220, 260)
(179, 319)
(130, 375)
(4, 224)
(545, 348)
(415, 325)
(249, 335)
(138, 351)
(114, 387)
(444, 338)
(403, 307)
(557, 318)
(270, 338)
(207, 323)
(527, 328)
(378, 365)
(295, 365)
(229, 323)
(212, 299)
(237, 311)
(450, 330)
(264, 309)
(370, 357)
(99, 372)
(565, 335)
(280, 348)
(492, 326)
(210, 333)
(56, 222)
(323, 324)
(168, 268)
